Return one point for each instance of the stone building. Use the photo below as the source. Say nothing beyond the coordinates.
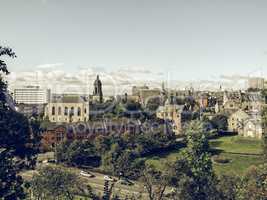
(67, 108)
(246, 124)
(172, 112)
(97, 93)
(144, 93)
(252, 128)
(236, 120)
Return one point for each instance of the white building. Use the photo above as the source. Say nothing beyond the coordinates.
(31, 95)
(67, 108)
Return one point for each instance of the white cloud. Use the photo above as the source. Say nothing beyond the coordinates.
(49, 66)
(114, 82)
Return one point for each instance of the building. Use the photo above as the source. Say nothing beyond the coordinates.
(67, 108)
(31, 95)
(252, 128)
(253, 102)
(144, 93)
(246, 124)
(256, 83)
(55, 134)
(236, 120)
(31, 109)
(97, 93)
(136, 89)
(232, 101)
(172, 112)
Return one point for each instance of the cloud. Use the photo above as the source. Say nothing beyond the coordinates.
(50, 66)
(234, 77)
(135, 70)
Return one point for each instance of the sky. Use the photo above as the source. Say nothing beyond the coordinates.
(176, 39)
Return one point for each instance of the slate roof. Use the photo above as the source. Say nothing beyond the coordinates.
(68, 99)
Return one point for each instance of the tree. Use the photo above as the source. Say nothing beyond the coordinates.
(4, 51)
(17, 137)
(194, 173)
(229, 186)
(16, 133)
(10, 182)
(254, 183)
(264, 139)
(155, 183)
(78, 153)
(220, 122)
(56, 183)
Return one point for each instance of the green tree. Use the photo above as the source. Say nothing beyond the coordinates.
(78, 153)
(229, 187)
(194, 173)
(17, 136)
(16, 133)
(264, 139)
(56, 183)
(220, 122)
(10, 182)
(254, 184)
(155, 182)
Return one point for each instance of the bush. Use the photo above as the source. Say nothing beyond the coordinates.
(220, 159)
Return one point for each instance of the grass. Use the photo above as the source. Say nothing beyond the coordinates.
(237, 144)
(242, 153)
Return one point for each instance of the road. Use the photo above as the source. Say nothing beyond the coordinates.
(97, 183)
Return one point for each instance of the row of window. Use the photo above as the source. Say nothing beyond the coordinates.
(67, 111)
(66, 119)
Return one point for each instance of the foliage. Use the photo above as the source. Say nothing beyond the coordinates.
(220, 122)
(55, 183)
(264, 139)
(118, 153)
(229, 187)
(18, 137)
(254, 184)
(78, 153)
(220, 159)
(10, 183)
(195, 178)
(155, 182)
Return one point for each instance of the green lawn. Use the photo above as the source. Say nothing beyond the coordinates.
(237, 144)
(242, 153)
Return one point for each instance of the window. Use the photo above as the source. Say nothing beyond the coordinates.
(79, 111)
(71, 111)
(85, 110)
(66, 111)
(59, 110)
(53, 110)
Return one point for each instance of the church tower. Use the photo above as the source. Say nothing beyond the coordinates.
(98, 89)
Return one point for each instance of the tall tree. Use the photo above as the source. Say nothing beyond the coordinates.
(10, 183)
(17, 136)
(57, 183)
(4, 51)
(264, 139)
(155, 183)
(254, 184)
(195, 176)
